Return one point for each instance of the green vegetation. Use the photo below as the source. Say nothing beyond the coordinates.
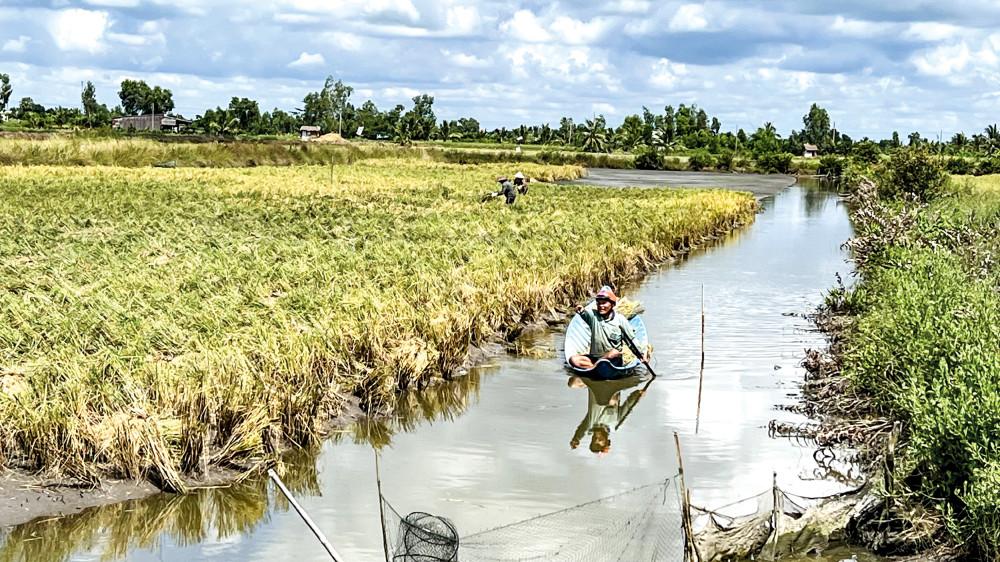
(925, 343)
(155, 322)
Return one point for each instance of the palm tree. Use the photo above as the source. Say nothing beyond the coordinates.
(992, 138)
(594, 137)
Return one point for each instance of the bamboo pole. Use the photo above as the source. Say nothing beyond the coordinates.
(305, 516)
(775, 513)
(690, 549)
(381, 511)
(701, 371)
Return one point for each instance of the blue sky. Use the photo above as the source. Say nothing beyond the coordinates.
(919, 65)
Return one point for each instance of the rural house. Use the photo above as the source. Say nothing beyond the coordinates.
(810, 151)
(308, 132)
(151, 122)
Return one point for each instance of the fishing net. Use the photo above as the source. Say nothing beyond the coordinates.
(643, 523)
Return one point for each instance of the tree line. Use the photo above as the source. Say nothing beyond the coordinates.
(685, 129)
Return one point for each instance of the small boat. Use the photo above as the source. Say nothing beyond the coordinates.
(578, 341)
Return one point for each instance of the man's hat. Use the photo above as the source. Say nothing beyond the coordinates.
(502, 178)
(607, 293)
(519, 176)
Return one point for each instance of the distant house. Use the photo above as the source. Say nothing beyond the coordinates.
(307, 132)
(151, 122)
(810, 151)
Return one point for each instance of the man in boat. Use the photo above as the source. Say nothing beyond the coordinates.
(606, 331)
(506, 189)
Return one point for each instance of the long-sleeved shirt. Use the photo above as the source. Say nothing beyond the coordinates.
(606, 333)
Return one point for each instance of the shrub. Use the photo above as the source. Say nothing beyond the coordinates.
(727, 160)
(865, 152)
(701, 160)
(960, 166)
(647, 158)
(832, 166)
(988, 166)
(774, 162)
(914, 172)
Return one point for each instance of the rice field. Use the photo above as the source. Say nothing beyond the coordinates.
(155, 323)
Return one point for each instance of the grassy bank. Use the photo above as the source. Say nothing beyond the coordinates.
(155, 322)
(924, 347)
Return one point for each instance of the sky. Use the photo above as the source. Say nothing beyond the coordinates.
(907, 65)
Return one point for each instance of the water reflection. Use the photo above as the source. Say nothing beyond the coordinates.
(112, 532)
(606, 410)
(436, 403)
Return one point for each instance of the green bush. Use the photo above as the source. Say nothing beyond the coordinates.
(774, 162)
(647, 158)
(960, 166)
(865, 152)
(832, 166)
(701, 160)
(911, 172)
(726, 160)
(988, 166)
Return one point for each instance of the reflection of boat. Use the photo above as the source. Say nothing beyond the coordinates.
(578, 341)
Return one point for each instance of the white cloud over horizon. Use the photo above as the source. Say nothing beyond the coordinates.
(504, 62)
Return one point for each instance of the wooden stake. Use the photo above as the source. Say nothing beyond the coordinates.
(305, 516)
(775, 512)
(701, 372)
(690, 549)
(381, 511)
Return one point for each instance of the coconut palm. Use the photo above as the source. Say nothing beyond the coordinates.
(594, 137)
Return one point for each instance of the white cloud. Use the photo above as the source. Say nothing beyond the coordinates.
(689, 17)
(944, 60)
(113, 3)
(603, 108)
(858, 28)
(284, 17)
(403, 8)
(463, 20)
(79, 30)
(464, 60)
(524, 26)
(308, 59)
(664, 74)
(18, 45)
(931, 31)
(343, 40)
(576, 32)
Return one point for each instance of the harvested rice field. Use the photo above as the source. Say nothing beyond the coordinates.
(156, 323)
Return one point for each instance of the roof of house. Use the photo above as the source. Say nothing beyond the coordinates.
(309, 128)
(811, 147)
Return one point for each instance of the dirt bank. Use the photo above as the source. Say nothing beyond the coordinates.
(760, 185)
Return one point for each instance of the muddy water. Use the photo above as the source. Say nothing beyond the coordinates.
(500, 446)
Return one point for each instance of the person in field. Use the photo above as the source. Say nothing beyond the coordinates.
(506, 190)
(607, 331)
(520, 183)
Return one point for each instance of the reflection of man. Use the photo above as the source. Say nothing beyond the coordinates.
(605, 409)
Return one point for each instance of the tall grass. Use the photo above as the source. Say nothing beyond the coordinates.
(926, 348)
(155, 322)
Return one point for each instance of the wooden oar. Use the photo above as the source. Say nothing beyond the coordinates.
(640, 356)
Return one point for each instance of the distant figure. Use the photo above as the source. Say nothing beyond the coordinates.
(606, 331)
(520, 183)
(506, 189)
